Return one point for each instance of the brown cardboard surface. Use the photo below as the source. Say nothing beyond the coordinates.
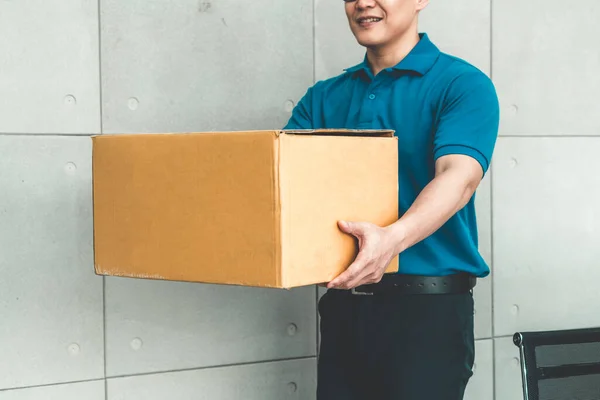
(325, 179)
(256, 208)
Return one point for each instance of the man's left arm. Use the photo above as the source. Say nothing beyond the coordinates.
(463, 144)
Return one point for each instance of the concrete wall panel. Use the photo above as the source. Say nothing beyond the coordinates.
(335, 45)
(481, 384)
(74, 391)
(546, 218)
(508, 370)
(49, 63)
(546, 65)
(160, 326)
(460, 28)
(204, 65)
(293, 380)
(50, 298)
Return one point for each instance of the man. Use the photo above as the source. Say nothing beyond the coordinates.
(407, 336)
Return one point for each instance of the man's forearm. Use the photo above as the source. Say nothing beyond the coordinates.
(445, 195)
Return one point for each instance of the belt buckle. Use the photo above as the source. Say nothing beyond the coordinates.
(355, 293)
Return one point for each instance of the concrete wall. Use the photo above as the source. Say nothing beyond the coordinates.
(70, 69)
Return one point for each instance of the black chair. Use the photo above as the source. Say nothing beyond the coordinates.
(560, 365)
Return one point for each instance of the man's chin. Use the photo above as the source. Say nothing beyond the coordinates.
(373, 46)
(369, 42)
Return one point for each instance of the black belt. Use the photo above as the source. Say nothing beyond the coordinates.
(416, 284)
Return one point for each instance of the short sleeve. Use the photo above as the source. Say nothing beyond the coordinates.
(302, 113)
(469, 119)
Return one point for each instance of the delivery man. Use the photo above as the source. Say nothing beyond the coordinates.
(407, 336)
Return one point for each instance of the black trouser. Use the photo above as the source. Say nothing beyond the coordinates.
(395, 346)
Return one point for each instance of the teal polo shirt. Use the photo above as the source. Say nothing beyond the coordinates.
(437, 104)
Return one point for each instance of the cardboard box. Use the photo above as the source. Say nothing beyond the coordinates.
(256, 208)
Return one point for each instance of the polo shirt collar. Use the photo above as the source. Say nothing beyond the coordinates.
(420, 59)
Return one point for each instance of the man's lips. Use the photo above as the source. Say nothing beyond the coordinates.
(368, 20)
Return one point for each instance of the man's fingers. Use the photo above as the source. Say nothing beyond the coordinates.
(340, 281)
(344, 277)
(350, 273)
(367, 277)
(358, 270)
(364, 275)
(366, 267)
(355, 271)
(345, 226)
(351, 228)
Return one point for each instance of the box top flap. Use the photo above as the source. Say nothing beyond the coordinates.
(306, 132)
(341, 132)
